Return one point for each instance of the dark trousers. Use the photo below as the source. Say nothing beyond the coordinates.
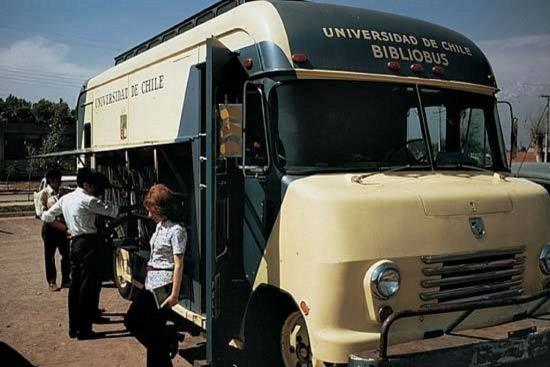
(56, 239)
(148, 324)
(85, 283)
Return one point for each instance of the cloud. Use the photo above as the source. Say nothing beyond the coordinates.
(36, 68)
(522, 69)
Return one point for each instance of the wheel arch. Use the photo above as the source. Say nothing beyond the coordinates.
(265, 298)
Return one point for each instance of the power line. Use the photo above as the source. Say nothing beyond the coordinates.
(80, 36)
(36, 71)
(43, 83)
(77, 43)
(40, 79)
(17, 81)
(38, 76)
(535, 84)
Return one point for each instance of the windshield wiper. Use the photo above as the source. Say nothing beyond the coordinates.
(358, 179)
(460, 165)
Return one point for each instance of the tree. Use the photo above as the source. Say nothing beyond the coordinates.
(16, 110)
(57, 116)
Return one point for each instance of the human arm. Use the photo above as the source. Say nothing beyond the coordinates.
(101, 207)
(178, 241)
(173, 299)
(60, 226)
(49, 215)
(43, 202)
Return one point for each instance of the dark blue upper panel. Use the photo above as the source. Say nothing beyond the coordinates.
(359, 40)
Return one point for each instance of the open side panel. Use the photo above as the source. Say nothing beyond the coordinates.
(223, 192)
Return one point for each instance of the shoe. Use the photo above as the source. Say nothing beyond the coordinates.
(102, 320)
(174, 348)
(87, 336)
(52, 287)
(174, 343)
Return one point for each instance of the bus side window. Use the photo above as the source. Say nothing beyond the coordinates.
(255, 141)
(87, 135)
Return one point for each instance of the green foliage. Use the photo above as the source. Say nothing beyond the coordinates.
(50, 113)
(14, 109)
(56, 116)
(11, 169)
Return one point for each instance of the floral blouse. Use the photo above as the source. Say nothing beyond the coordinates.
(168, 240)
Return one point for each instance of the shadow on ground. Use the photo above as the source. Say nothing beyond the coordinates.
(11, 357)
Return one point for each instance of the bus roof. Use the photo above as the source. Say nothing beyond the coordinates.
(360, 40)
(328, 37)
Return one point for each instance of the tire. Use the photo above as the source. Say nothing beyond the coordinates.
(294, 342)
(271, 340)
(121, 267)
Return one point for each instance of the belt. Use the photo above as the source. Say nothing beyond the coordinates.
(150, 268)
(85, 235)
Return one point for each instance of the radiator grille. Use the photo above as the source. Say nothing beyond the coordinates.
(475, 276)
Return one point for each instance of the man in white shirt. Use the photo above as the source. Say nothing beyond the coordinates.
(54, 239)
(80, 208)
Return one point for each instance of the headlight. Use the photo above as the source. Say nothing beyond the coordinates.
(385, 279)
(544, 259)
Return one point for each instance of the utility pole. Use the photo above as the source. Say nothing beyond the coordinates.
(547, 136)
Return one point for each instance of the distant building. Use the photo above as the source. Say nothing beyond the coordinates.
(14, 138)
(528, 156)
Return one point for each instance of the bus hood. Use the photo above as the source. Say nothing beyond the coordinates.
(332, 229)
(353, 218)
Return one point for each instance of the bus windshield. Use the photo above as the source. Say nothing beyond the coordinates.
(328, 125)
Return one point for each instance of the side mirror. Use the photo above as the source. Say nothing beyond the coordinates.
(255, 153)
(231, 130)
(513, 143)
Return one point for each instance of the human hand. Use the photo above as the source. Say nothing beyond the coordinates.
(172, 300)
(69, 234)
(125, 209)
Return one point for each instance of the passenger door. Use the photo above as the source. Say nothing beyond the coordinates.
(225, 301)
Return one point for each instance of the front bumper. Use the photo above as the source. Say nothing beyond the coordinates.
(524, 341)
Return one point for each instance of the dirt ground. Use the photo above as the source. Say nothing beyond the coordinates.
(33, 321)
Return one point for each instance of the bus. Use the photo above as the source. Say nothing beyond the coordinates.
(345, 186)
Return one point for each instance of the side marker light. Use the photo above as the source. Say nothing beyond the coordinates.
(248, 63)
(304, 307)
(417, 68)
(438, 70)
(299, 58)
(394, 66)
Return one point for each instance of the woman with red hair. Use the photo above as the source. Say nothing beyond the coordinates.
(164, 270)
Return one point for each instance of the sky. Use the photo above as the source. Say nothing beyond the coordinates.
(48, 48)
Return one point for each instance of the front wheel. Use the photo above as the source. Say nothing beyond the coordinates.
(280, 339)
(123, 273)
(295, 345)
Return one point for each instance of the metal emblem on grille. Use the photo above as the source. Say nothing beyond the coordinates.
(478, 227)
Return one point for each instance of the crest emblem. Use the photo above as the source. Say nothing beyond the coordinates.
(478, 227)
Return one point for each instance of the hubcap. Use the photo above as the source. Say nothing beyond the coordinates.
(295, 346)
